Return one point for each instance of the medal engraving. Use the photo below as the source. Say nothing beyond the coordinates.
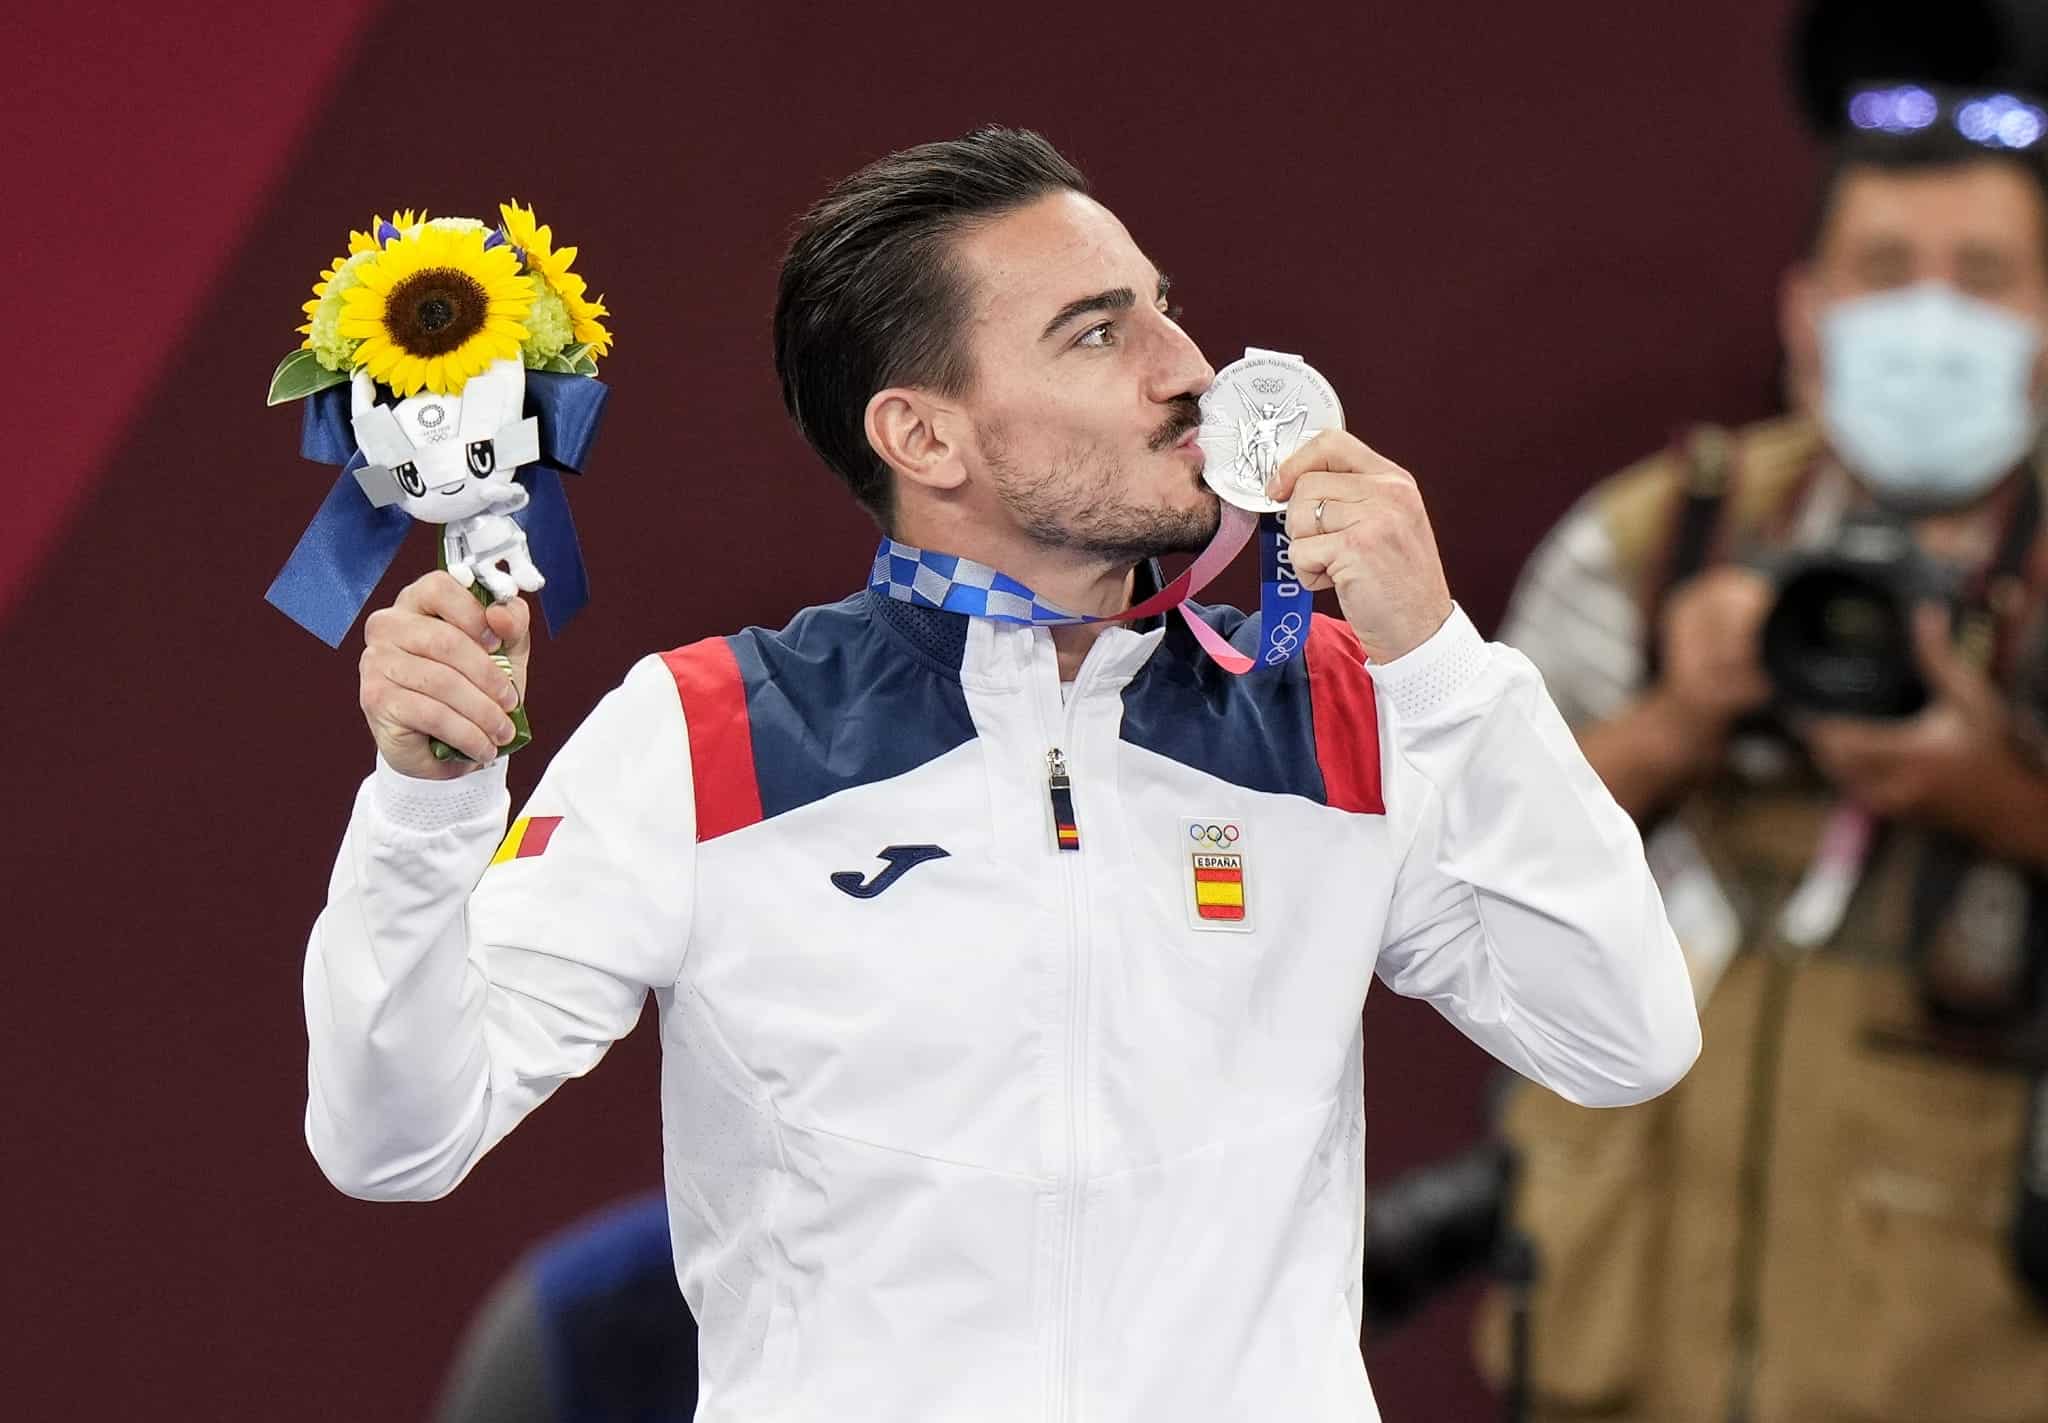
(1260, 410)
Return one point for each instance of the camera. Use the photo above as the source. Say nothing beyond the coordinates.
(1430, 1229)
(1838, 640)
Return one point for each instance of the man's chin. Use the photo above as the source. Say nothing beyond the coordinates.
(1187, 530)
(1210, 519)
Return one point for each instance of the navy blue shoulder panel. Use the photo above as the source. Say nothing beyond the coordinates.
(851, 693)
(1256, 731)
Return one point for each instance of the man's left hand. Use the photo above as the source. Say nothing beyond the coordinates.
(1373, 542)
(1952, 765)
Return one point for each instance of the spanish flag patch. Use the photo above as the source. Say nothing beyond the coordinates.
(528, 837)
(1217, 896)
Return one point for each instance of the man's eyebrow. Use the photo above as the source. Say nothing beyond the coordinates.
(1115, 299)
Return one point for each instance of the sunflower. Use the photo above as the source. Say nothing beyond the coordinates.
(404, 220)
(551, 264)
(323, 313)
(434, 307)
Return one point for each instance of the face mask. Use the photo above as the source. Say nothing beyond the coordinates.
(1928, 394)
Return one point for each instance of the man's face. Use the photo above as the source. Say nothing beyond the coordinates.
(1083, 404)
(1980, 227)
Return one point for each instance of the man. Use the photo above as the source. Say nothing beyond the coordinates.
(968, 1115)
(1818, 1225)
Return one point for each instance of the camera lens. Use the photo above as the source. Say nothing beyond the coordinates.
(1839, 641)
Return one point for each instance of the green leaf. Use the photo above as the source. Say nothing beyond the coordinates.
(299, 375)
(558, 364)
(576, 355)
(585, 366)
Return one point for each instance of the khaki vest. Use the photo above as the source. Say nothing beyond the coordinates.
(1810, 1222)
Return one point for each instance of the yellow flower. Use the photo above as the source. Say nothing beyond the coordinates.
(551, 265)
(404, 219)
(323, 324)
(589, 329)
(433, 308)
(358, 243)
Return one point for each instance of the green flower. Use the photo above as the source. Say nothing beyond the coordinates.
(548, 327)
(323, 335)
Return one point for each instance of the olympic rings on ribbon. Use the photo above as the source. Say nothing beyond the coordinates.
(1214, 834)
(1283, 639)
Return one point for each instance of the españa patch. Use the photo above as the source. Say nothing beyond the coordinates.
(1215, 854)
(528, 837)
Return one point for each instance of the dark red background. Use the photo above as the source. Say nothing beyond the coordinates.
(1523, 241)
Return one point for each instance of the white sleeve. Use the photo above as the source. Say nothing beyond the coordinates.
(449, 991)
(1524, 909)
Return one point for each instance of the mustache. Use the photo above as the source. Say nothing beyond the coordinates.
(1187, 415)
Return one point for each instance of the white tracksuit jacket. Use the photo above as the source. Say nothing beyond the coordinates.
(960, 1125)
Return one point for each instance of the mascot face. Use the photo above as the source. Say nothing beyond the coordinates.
(447, 457)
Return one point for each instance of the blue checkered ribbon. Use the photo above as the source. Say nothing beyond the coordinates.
(953, 584)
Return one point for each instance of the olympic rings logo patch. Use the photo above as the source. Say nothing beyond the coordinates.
(1283, 639)
(1213, 834)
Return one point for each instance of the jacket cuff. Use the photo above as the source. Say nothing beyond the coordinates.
(425, 807)
(1426, 677)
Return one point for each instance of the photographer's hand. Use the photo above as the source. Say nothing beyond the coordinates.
(1954, 765)
(1712, 674)
(1713, 663)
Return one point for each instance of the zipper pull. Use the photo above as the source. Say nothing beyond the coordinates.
(1061, 790)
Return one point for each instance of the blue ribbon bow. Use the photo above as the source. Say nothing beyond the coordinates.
(350, 543)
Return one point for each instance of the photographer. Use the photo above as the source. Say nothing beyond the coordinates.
(1803, 655)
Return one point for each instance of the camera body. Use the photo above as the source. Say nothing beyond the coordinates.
(1838, 640)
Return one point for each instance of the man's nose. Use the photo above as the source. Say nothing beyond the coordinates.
(1180, 370)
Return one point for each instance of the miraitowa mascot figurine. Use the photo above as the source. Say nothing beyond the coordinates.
(449, 368)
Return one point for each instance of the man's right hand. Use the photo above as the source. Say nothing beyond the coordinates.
(426, 672)
(1713, 655)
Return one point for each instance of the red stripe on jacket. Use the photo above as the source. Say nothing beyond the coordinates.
(1346, 716)
(539, 830)
(714, 697)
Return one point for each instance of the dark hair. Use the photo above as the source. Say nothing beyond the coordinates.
(870, 295)
(1939, 144)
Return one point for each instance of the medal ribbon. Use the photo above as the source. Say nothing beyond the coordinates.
(954, 584)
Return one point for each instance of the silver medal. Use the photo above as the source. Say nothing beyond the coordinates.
(1261, 410)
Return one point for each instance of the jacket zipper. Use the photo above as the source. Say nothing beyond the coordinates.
(1070, 1273)
(1067, 840)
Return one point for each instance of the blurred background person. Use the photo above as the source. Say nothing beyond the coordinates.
(588, 1327)
(1808, 655)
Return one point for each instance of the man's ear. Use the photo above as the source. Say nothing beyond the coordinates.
(1799, 306)
(915, 434)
